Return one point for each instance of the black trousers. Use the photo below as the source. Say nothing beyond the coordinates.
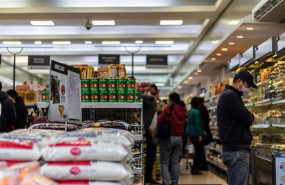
(150, 156)
(199, 158)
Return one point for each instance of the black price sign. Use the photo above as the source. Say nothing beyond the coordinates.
(109, 59)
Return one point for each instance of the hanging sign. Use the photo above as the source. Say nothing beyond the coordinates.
(109, 59)
(156, 61)
(38, 62)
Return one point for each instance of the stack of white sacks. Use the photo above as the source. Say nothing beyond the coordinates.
(87, 156)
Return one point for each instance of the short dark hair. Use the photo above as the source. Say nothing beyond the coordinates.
(235, 79)
(195, 102)
(153, 86)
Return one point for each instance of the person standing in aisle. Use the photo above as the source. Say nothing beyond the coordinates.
(205, 120)
(7, 112)
(234, 121)
(171, 148)
(21, 110)
(150, 98)
(194, 130)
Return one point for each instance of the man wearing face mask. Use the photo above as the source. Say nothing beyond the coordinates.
(150, 98)
(234, 121)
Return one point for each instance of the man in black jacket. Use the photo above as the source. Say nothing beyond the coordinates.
(234, 122)
(149, 109)
(8, 112)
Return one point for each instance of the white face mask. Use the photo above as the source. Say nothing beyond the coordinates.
(245, 91)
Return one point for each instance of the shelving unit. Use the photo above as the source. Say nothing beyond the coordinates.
(91, 105)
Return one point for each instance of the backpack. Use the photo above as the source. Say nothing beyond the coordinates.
(163, 129)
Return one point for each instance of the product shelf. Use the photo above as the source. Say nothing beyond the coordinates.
(212, 108)
(217, 165)
(269, 125)
(213, 149)
(32, 104)
(263, 102)
(249, 104)
(91, 105)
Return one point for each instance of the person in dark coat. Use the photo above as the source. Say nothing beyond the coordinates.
(8, 112)
(21, 110)
(149, 107)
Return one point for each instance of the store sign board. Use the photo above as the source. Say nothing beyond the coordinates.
(234, 62)
(266, 47)
(38, 62)
(109, 59)
(281, 42)
(247, 56)
(65, 94)
(280, 168)
(156, 61)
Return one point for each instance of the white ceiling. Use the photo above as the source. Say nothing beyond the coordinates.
(203, 22)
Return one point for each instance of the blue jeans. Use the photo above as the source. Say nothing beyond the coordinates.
(170, 151)
(237, 163)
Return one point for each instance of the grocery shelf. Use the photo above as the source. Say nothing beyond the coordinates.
(278, 102)
(278, 125)
(138, 137)
(249, 104)
(42, 105)
(213, 149)
(263, 83)
(91, 105)
(261, 126)
(217, 165)
(212, 108)
(263, 102)
(137, 170)
(32, 104)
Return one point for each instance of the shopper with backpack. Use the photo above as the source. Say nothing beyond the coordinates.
(7, 113)
(171, 124)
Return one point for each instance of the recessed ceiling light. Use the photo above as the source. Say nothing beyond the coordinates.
(179, 87)
(12, 42)
(219, 54)
(103, 22)
(224, 49)
(42, 23)
(186, 82)
(171, 22)
(199, 70)
(111, 42)
(38, 42)
(249, 28)
(240, 37)
(139, 42)
(61, 42)
(190, 78)
(234, 22)
(232, 43)
(88, 42)
(213, 59)
(164, 42)
(215, 41)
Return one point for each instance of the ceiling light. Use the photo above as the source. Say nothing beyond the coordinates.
(38, 42)
(213, 59)
(111, 42)
(249, 28)
(103, 23)
(171, 22)
(61, 42)
(240, 37)
(164, 42)
(224, 49)
(199, 71)
(219, 54)
(232, 43)
(160, 84)
(186, 82)
(12, 42)
(139, 42)
(190, 78)
(234, 22)
(215, 41)
(42, 23)
(88, 42)
(179, 87)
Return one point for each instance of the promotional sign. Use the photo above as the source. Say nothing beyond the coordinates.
(109, 59)
(234, 63)
(64, 93)
(156, 61)
(247, 56)
(38, 62)
(267, 47)
(280, 168)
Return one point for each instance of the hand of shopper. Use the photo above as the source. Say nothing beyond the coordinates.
(200, 139)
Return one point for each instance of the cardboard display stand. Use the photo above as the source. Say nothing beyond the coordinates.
(65, 93)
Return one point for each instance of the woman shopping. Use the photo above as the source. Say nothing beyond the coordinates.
(21, 110)
(170, 148)
(194, 130)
